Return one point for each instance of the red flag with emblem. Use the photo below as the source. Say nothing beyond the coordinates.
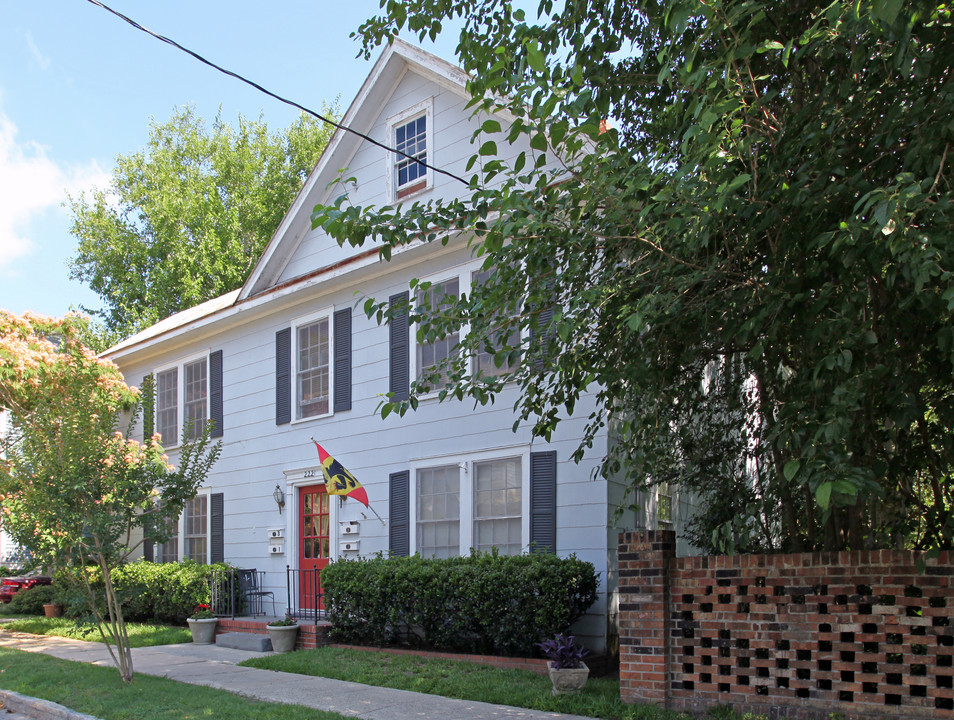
(338, 479)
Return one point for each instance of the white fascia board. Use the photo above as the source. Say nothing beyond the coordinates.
(280, 251)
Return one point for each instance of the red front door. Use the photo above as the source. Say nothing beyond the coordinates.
(313, 543)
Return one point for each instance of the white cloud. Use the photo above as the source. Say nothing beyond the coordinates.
(42, 60)
(32, 183)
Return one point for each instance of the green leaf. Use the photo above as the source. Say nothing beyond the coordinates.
(790, 469)
(770, 45)
(488, 148)
(886, 10)
(535, 57)
(823, 495)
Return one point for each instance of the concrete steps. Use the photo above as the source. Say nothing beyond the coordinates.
(244, 641)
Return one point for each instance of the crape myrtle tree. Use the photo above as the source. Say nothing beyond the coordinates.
(75, 488)
(186, 218)
(750, 266)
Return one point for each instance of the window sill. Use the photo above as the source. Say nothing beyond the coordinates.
(296, 421)
(411, 191)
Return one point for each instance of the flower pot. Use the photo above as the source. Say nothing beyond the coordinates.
(568, 681)
(53, 610)
(203, 631)
(283, 637)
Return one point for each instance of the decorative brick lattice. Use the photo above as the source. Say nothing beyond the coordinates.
(860, 633)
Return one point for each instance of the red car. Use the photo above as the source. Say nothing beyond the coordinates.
(12, 585)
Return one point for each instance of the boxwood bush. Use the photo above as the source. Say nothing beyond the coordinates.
(30, 601)
(150, 592)
(483, 603)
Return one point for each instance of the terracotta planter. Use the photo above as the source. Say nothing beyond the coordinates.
(283, 637)
(569, 681)
(53, 610)
(203, 631)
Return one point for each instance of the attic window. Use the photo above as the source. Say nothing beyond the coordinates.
(412, 133)
(411, 138)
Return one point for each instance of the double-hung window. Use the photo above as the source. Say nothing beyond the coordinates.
(313, 369)
(195, 529)
(182, 400)
(474, 503)
(411, 133)
(439, 294)
(188, 534)
(505, 337)
(438, 297)
(312, 366)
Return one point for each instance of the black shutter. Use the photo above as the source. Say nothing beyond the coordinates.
(541, 333)
(148, 395)
(147, 551)
(342, 360)
(215, 393)
(399, 514)
(400, 385)
(217, 527)
(283, 376)
(543, 502)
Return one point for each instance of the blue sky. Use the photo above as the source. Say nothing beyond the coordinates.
(79, 86)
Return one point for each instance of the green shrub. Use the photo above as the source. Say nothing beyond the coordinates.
(482, 603)
(149, 592)
(30, 601)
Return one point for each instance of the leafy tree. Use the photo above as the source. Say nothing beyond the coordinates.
(186, 218)
(752, 270)
(74, 488)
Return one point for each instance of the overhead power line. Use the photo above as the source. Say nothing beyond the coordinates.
(258, 87)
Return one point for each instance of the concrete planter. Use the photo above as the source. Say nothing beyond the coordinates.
(569, 681)
(283, 637)
(203, 631)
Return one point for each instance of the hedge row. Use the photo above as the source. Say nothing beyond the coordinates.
(30, 601)
(484, 603)
(150, 592)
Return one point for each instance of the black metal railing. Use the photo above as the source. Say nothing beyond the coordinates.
(305, 598)
(239, 592)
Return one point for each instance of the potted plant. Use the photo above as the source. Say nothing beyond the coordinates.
(568, 672)
(283, 633)
(202, 625)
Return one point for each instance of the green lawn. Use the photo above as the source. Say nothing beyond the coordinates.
(464, 680)
(99, 691)
(140, 634)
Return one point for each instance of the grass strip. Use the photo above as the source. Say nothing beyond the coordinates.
(99, 691)
(463, 680)
(140, 634)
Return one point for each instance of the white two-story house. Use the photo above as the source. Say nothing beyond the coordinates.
(291, 356)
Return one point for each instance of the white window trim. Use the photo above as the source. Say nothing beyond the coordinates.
(426, 108)
(325, 313)
(464, 274)
(465, 461)
(179, 367)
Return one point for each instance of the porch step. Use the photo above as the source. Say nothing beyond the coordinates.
(244, 641)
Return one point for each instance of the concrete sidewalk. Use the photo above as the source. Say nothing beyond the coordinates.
(217, 667)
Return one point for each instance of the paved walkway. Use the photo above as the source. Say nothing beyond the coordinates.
(217, 667)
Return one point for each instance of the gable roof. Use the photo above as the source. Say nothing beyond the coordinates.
(392, 65)
(396, 60)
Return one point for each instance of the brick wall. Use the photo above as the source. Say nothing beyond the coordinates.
(309, 636)
(799, 636)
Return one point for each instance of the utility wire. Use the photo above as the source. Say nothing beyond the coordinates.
(273, 95)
